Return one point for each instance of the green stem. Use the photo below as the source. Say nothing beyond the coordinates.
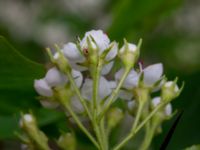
(134, 132)
(75, 117)
(114, 93)
(149, 116)
(131, 134)
(69, 75)
(150, 131)
(96, 107)
(104, 134)
(148, 138)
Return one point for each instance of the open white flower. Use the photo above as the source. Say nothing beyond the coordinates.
(78, 56)
(99, 37)
(55, 78)
(42, 88)
(106, 68)
(105, 88)
(72, 53)
(131, 80)
(113, 51)
(152, 74)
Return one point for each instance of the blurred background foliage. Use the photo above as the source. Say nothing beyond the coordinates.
(170, 32)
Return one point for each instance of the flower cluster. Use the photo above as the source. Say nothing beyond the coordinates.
(80, 83)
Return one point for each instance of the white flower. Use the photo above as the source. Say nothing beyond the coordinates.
(78, 77)
(71, 52)
(168, 108)
(113, 51)
(106, 68)
(105, 88)
(43, 88)
(54, 77)
(99, 37)
(152, 74)
(130, 81)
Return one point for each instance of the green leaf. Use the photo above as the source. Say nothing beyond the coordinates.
(8, 125)
(17, 72)
(194, 147)
(17, 75)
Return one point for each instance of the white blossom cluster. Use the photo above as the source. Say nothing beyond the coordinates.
(77, 55)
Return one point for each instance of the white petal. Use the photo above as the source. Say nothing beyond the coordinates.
(104, 88)
(113, 52)
(42, 88)
(55, 78)
(71, 51)
(125, 95)
(152, 74)
(106, 69)
(75, 66)
(86, 89)
(100, 38)
(113, 84)
(131, 48)
(78, 77)
(168, 109)
(76, 105)
(156, 101)
(131, 80)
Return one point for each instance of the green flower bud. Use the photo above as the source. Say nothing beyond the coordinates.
(38, 138)
(115, 115)
(67, 141)
(170, 90)
(129, 53)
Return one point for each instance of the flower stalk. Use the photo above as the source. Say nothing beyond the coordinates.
(79, 84)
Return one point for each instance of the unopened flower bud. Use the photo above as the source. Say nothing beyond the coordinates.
(114, 117)
(129, 54)
(170, 90)
(67, 141)
(29, 125)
